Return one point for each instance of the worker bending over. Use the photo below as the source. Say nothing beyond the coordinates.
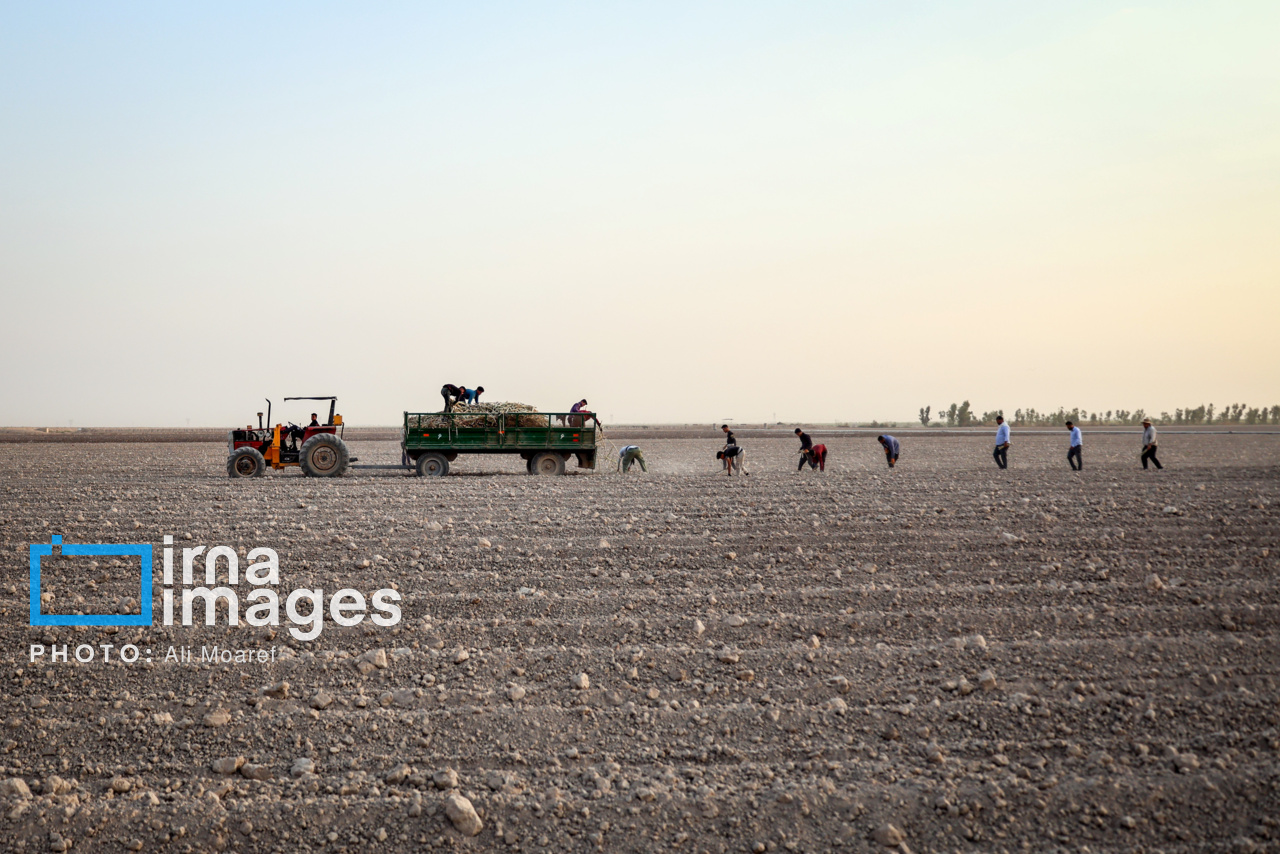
(628, 455)
(730, 457)
(891, 448)
(451, 394)
(816, 457)
(732, 453)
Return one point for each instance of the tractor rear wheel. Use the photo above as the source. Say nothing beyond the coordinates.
(245, 462)
(547, 463)
(323, 455)
(433, 465)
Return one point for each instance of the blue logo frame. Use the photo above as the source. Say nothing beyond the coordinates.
(141, 550)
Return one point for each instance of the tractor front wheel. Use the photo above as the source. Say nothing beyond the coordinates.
(246, 462)
(433, 465)
(323, 455)
(547, 463)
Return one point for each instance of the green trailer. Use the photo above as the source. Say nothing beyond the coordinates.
(544, 440)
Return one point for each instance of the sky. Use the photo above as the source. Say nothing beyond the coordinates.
(683, 212)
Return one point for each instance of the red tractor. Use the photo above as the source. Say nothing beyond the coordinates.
(317, 448)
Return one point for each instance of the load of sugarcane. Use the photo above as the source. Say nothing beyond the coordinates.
(482, 415)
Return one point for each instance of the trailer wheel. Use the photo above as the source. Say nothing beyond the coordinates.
(547, 463)
(245, 462)
(433, 465)
(323, 455)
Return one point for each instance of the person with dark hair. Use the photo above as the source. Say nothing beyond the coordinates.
(816, 457)
(806, 448)
(1149, 444)
(1001, 454)
(891, 448)
(472, 395)
(732, 453)
(1074, 459)
(578, 412)
(315, 420)
(731, 456)
(451, 394)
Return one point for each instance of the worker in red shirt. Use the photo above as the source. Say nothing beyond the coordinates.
(814, 455)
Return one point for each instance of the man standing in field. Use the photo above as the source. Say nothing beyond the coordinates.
(1073, 452)
(814, 455)
(891, 448)
(806, 447)
(628, 455)
(1001, 454)
(1149, 444)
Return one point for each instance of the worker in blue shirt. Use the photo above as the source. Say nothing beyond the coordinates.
(1001, 454)
(1073, 452)
(891, 448)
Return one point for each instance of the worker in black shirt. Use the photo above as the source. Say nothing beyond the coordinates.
(731, 455)
(806, 449)
(451, 393)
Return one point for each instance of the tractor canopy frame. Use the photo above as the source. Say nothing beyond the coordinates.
(333, 403)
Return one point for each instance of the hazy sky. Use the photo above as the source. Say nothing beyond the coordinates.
(682, 212)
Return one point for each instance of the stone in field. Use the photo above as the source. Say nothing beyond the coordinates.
(228, 764)
(463, 815)
(216, 719)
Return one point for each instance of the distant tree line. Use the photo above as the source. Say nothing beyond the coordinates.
(962, 415)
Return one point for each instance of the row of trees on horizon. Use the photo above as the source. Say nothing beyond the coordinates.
(962, 415)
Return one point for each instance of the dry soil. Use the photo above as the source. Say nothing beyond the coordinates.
(942, 657)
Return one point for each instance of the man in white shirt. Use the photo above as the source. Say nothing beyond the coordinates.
(1149, 444)
(1073, 452)
(1001, 454)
